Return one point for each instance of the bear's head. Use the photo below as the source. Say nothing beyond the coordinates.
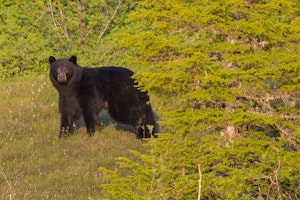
(62, 70)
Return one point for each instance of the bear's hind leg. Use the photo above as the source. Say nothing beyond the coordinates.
(145, 124)
(91, 122)
(142, 131)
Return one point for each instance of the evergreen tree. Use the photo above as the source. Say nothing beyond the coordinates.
(224, 74)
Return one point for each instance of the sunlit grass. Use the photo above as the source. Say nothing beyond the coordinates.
(38, 165)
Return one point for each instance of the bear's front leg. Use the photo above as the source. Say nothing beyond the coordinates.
(66, 126)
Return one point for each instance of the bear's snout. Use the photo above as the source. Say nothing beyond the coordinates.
(61, 78)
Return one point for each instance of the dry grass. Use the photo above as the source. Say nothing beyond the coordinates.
(34, 163)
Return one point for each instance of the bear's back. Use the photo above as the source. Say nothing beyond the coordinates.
(115, 71)
(107, 71)
(106, 80)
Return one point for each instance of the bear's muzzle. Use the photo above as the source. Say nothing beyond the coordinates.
(62, 78)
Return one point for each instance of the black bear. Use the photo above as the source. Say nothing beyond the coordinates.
(86, 91)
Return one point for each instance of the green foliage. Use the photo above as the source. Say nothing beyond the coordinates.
(224, 74)
(223, 78)
(158, 174)
(31, 32)
(202, 58)
(254, 166)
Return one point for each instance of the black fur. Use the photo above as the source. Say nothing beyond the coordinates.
(86, 91)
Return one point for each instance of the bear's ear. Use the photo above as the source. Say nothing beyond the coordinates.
(73, 60)
(52, 59)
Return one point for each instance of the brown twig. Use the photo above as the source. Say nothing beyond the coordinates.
(54, 21)
(79, 14)
(62, 24)
(109, 21)
(200, 182)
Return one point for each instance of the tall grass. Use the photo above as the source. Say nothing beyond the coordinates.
(34, 163)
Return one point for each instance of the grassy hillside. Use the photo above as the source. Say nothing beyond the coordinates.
(34, 163)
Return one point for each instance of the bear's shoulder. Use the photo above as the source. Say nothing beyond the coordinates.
(107, 72)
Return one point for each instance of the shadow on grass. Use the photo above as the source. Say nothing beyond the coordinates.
(107, 120)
